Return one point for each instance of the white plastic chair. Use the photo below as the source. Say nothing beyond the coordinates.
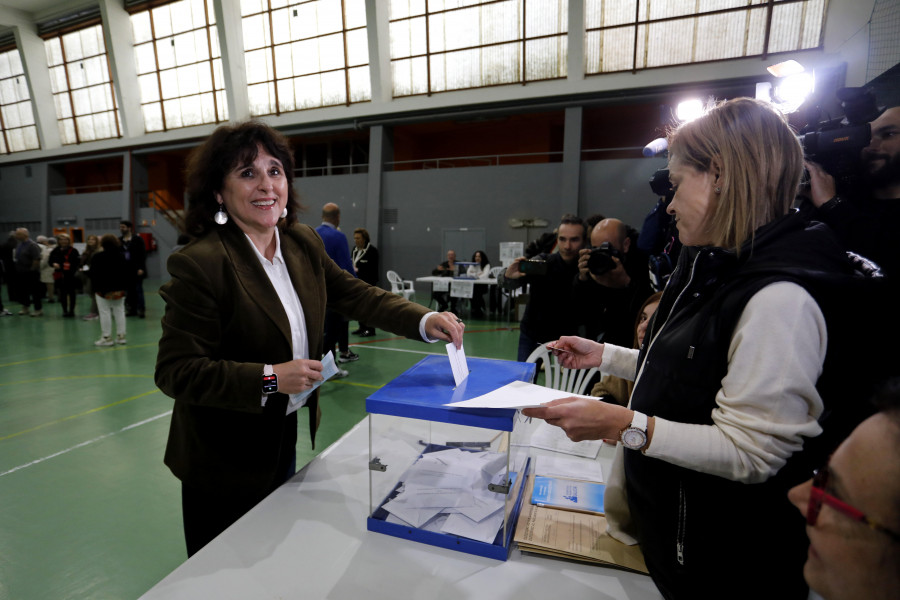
(400, 286)
(557, 376)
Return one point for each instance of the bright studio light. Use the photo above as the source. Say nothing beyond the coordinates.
(792, 91)
(689, 110)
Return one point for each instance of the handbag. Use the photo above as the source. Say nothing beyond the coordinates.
(116, 295)
(57, 275)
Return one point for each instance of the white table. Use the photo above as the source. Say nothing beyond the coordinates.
(308, 540)
(459, 287)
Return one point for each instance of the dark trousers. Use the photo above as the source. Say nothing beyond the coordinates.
(337, 332)
(207, 513)
(526, 346)
(134, 297)
(65, 290)
(30, 289)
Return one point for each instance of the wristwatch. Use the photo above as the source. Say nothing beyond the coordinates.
(270, 380)
(635, 435)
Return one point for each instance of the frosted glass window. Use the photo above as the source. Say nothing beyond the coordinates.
(628, 35)
(81, 83)
(17, 127)
(304, 54)
(176, 54)
(462, 44)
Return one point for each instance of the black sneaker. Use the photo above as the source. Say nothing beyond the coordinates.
(358, 332)
(366, 333)
(348, 356)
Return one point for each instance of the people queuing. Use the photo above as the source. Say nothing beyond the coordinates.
(48, 282)
(64, 260)
(136, 256)
(243, 329)
(366, 266)
(110, 277)
(92, 245)
(725, 395)
(337, 337)
(27, 263)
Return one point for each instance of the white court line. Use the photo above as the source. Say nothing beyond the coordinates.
(88, 442)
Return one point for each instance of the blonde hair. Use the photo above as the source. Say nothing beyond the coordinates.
(757, 158)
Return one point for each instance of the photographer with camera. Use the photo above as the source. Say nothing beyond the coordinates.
(866, 223)
(613, 281)
(551, 310)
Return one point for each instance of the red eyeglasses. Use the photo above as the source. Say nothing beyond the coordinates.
(818, 496)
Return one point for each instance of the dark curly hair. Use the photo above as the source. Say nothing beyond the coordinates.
(228, 147)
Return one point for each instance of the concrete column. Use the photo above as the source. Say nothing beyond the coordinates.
(378, 31)
(231, 42)
(120, 49)
(575, 57)
(381, 150)
(571, 169)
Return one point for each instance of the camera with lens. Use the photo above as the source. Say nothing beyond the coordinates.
(533, 266)
(601, 259)
(836, 145)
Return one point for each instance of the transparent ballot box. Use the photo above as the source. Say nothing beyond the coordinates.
(444, 476)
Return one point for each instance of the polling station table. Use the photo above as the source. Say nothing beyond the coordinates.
(309, 540)
(458, 287)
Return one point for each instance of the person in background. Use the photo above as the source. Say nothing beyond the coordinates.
(48, 287)
(110, 277)
(617, 389)
(27, 261)
(552, 310)
(852, 510)
(480, 270)
(448, 268)
(336, 326)
(7, 272)
(610, 292)
(725, 408)
(243, 327)
(92, 245)
(136, 257)
(65, 262)
(365, 265)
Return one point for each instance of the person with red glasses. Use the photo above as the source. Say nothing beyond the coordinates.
(852, 508)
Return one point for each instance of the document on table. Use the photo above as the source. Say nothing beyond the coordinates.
(518, 394)
(458, 363)
(329, 370)
(568, 468)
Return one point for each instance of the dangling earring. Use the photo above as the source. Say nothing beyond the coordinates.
(284, 212)
(221, 217)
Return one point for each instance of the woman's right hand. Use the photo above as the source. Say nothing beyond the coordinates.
(576, 352)
(297, 375)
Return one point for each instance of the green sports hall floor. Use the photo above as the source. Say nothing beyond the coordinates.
(87, 508)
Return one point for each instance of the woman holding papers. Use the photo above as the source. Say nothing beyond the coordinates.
(243, 327)
(725, 395)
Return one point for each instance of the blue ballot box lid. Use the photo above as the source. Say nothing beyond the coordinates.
(421, 392)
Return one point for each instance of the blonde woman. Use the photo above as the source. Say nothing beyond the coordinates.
(725, 399)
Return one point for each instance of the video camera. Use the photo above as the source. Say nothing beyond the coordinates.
(837, 144)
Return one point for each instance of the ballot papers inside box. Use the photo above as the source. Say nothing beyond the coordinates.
(445, 476)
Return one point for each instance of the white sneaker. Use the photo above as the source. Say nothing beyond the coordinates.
(341, 374)
(105, 341)
(120, 339)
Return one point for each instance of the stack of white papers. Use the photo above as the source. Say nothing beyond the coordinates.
(447, 492)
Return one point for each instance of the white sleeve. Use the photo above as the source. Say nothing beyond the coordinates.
(768, 400)
(619, 361)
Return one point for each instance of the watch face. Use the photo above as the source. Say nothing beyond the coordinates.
(270, 384)
(634, 438)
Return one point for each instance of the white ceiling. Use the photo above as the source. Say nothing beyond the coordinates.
(39, 10)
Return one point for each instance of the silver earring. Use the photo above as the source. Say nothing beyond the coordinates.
(718, 190)
(284, 212)
(221, 217)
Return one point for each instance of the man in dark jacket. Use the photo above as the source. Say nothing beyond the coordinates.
(136, 257)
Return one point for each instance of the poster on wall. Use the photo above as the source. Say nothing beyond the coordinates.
(510, 251)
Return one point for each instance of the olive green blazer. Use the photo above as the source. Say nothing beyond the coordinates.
(223, 322)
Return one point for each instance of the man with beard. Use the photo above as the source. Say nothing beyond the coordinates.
(552, 309)
(867, 224)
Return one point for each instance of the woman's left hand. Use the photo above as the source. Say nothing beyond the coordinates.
(584, 419)
(445, 326)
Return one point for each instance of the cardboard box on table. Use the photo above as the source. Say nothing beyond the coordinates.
(408, 419)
